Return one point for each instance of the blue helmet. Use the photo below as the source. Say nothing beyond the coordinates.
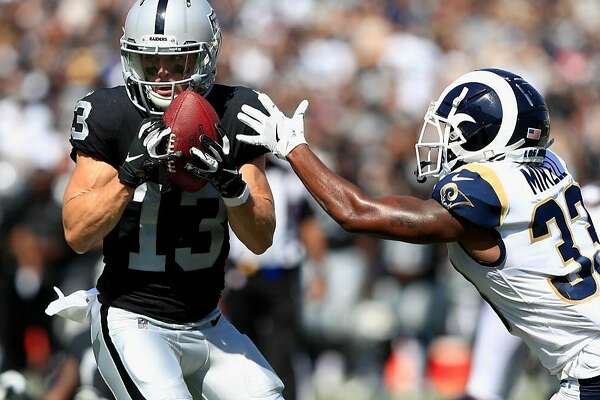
(484, 115)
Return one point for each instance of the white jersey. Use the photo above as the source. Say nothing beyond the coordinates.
(545, 285)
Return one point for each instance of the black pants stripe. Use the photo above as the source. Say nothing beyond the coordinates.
(132, 389)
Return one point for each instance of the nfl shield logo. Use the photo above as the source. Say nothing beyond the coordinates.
(534, 133)
(142, 323)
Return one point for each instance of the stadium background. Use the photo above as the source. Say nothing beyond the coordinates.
(381, 319)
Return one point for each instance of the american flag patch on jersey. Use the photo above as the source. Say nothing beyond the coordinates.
(534, 133)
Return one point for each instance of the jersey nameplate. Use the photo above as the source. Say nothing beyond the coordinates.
(541, 177)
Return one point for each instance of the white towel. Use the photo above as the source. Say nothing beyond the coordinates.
(75, 306)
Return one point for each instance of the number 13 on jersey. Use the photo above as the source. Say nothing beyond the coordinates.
(205, 224)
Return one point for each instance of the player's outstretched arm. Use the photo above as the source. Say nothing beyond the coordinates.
(403, 218)
(395, 217)
(93, 202)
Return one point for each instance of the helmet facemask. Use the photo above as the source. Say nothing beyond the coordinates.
(439, 136)
(440, 145)
(503, 117)
(156, 70)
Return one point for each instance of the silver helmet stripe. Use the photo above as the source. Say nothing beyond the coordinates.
(508, 101)
(161, 12)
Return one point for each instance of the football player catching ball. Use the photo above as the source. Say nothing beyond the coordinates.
(156, 330)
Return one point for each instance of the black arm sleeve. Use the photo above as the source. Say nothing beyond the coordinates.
(95, 127)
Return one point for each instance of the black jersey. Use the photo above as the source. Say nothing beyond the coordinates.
(165, 258)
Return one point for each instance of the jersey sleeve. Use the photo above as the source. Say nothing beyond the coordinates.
(242, 152)
(474, 194)
(93, 128)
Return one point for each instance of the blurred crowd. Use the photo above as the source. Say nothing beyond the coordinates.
(379, 318)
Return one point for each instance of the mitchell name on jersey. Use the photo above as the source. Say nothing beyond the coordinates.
(545, 284)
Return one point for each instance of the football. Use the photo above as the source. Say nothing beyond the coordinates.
(189, 116)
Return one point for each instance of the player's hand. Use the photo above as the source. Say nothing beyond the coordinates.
(215, 165)
(276, 132)
(143, 161)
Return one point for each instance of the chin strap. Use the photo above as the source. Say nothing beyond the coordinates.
(529, 154)
(488, 155)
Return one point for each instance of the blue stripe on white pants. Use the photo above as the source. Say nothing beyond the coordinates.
(589, 389)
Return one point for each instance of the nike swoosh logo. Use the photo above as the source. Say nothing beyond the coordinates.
(457, 178)
(131, 158)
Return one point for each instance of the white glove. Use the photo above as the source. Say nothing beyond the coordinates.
(276, 132)
(75, 306)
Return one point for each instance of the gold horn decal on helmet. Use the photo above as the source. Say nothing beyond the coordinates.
(451, 196)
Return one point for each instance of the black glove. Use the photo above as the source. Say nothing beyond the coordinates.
(216, 166)
(143, 162)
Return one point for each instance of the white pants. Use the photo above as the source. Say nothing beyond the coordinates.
(141, 358)
(492, 371)
(570, 390)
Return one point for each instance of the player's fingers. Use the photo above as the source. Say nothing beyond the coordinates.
(198, 153)
(164, 132)
(301, 110)
(202, 157)
(168, 156)
(196, 171)
(208, 141)
(251, 139)
(205, 159)
(212, 146)
(254, 113)
(251, 122)
(226, 145)
(220, 130)
(268, 103)
(59, 292)
(154, 138)
(144, 128)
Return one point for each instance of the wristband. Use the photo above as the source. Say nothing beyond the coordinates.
(239, 200)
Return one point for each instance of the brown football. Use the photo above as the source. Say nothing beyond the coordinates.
(189, 116)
